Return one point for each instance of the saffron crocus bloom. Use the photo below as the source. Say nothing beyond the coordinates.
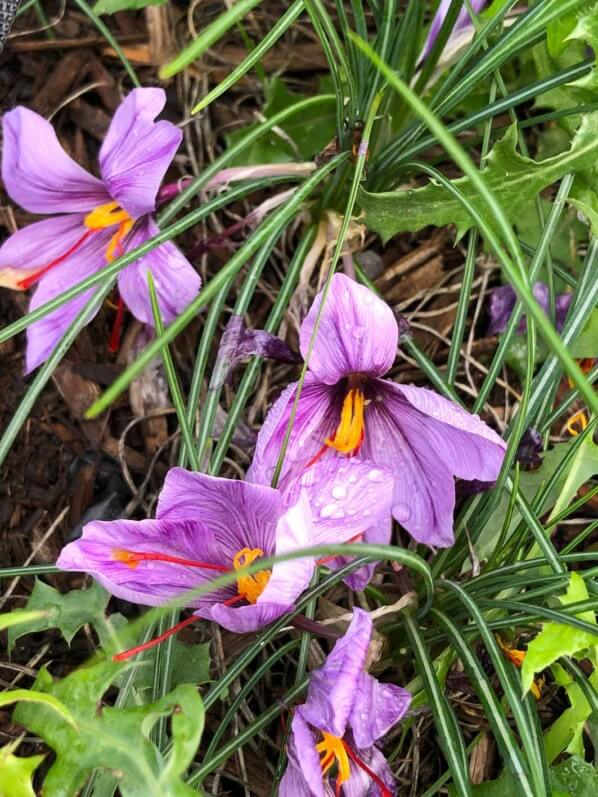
(205, 527)
(463, 23)
(502, 303)
(347, 409)
(99, 219)
(346, 712)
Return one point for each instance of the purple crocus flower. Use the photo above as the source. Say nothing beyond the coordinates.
(463, 22)
(502, 303)
(99, 219)
(346, 408)
(346, 712)
(205, 526)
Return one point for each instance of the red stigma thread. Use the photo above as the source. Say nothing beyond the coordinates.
(27, 282)
(127, 654)
(132, 559)
(114, 341)
(356, 538)
(384, 790)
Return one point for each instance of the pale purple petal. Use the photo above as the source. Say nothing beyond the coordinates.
(149, 583)
(424, 490)
(43, 335)
(38, 244)
(332, 688)
(303, 777)
(376, 709)
(360, 784)
(380, 534)
(177, 283)
(358, 333)
(562, 304)
(239, 514)
(287, 582)
(467, 445)
(137, 151)
(500, 308)
(38, 174)
(318, 413)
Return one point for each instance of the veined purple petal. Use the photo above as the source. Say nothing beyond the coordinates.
(177, 283)
(287, 581)
(360, 784)
(332, 688)
(562, 303)
(317, 417)
(43, 335)
(36, 245)
(376, 709)
(303, 776)
(150, 583)
(137, 151)
(37, 172)
(239, 515)
(379, 534)
(426, 440)
(358, 333)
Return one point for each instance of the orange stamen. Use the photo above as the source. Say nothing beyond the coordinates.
(384, 790)
(250, 587)
(516, 657)
(350, 432)
(132, 559)
(33, 278)
(332, 748)
(127, 654)
(579, 418)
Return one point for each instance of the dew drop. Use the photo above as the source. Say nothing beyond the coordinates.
(328, 510)
(358, 332)
(401, 512)
(339, 491)
(367, 512)
(368, 298)
(374, 475)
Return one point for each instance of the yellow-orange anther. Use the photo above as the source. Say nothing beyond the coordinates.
(109, 215)
(250, 587)
(579, 418)
(517, 656)
(351, 429)
(332, 749)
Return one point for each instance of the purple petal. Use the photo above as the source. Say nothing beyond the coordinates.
(303, 777)
(379, 534)
(317, 417)
(177, 283)
(137, 151)
(500, 307)
(38, 244)
(38, 174)
(358, 333)
(149, 583)
(287, 582)
(332, 688)
(376, 709)
(427, 440)
(240, 515)
(360, 784)
(43, 335)
(562, 304)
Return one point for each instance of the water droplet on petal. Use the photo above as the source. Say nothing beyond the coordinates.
(339, 491)
(374, 475)
(368, 298)
(367, 512)
(358, 332)
(352, 478)
(328, 510)
(401, 512)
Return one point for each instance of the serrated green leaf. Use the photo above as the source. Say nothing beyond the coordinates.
(583, 466)
(16, 773)
(112, 6)
(114, 739)
(572, 778)
(33, 696)
(513, 179)
(556, 640)
(68, 612)
(566, 732)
